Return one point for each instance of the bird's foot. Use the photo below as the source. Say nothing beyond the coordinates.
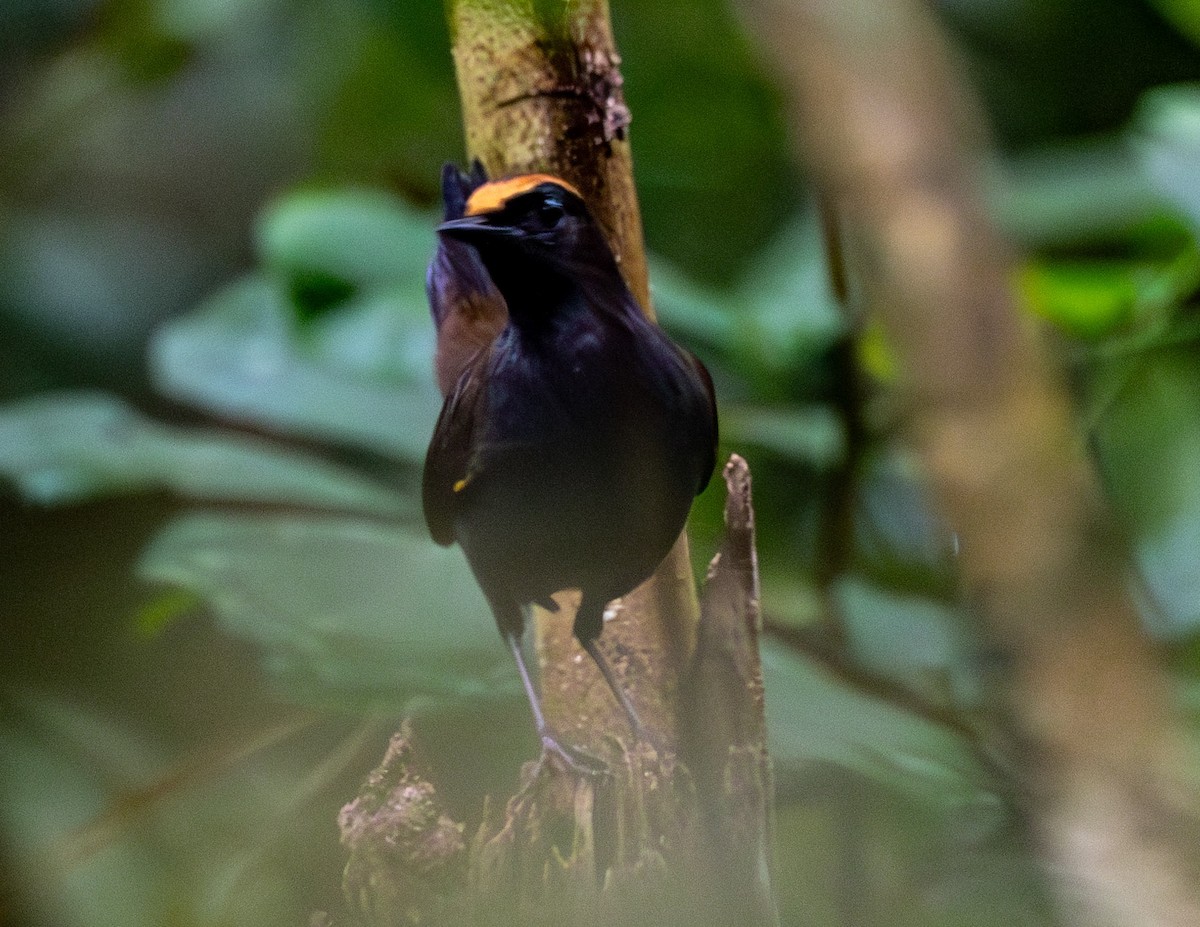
(575, 759)
(643, 738)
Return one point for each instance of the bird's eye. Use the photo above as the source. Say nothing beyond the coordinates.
(550, 213)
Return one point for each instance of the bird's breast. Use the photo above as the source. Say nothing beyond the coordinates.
(585, 463)
(583, 416)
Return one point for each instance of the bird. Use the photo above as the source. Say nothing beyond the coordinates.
(468, 311)
(574, 433)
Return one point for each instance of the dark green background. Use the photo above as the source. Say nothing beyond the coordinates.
(216, 597)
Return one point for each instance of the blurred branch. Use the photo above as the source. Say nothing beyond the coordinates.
(892, 137)
(836, 540)
(130, 809)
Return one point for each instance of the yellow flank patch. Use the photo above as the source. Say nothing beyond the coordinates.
(492, 196)
(462, 484)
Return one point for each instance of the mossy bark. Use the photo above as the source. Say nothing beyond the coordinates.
(542, 91)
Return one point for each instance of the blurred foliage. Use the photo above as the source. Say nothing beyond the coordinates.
(214, 222)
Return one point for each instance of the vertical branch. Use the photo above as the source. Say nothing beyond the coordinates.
(541, 92)
(890, 135)
(836, 542)
(725, 731)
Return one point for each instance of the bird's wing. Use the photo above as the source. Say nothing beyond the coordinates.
(448, 464)
(708, 417)
(690, 385)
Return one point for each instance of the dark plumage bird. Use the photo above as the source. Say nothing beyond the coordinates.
(574, 433)
(468, 311)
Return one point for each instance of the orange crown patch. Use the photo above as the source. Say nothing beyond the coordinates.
(492, 196)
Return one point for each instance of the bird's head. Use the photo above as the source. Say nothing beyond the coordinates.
(531, 219)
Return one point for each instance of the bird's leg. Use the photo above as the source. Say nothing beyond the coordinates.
(589, 623)
(606, 670)
(576, 759)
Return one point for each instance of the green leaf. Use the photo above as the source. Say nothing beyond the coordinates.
(809, 434)
(1169, 563)
(815, 720)
(1184, 14)
(65, 447)
(1149, 440)
(898, 539)
(1072, 194)
(1118, 306)
(388, 337)
(913, 640)
(695, 312)
(340, 607)
(365, 238)
(361, 376)
(794, 313)
(1148, 447)
(1086, 298)
(776, 320)
(164, 609)
(1167, 136)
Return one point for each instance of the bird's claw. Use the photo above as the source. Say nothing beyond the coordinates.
(575, 759)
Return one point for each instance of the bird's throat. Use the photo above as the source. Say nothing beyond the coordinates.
(533, 294)
(541, 292)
